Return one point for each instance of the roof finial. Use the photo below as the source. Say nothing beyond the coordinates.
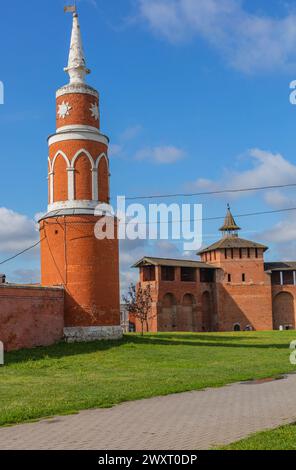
(230, 228)
(76, 64)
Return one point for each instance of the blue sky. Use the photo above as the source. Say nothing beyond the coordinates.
(194, 96)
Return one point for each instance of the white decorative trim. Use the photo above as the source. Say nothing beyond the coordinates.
(52, 173)
(71, 181)
(95, 189)
(92, 333)
(71, 195)
(78, 211)
(100, 158)
(95, 113)
(83, 135)
(77, 204)
(60, 152)
(80, 152)
(64, 110)
(281, 278)
(103, 155)
(50, 176)
(78, 88)
(78, 128)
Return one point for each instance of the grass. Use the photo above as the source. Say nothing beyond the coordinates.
(66, 378)
(283, 438)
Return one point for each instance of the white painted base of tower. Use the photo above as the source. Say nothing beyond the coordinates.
(92, 333)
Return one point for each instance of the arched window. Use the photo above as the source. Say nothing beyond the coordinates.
(83, 178)
(167, 319)
(103, 180)
(60, 179)
(206, 311)
(283, 311)
(186, 320)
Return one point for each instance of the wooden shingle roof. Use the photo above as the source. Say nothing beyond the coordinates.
(232, 242)
(280, 266)
(184, 263)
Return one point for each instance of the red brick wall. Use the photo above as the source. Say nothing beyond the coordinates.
(30, 316)
(80, 112)
(60, 192)
(88, 268)
(284, 307)
(184, 317)
(245, 305)
(83, 178)
(217, 306)
(246, 302)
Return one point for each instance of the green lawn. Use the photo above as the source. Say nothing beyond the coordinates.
(66, 378)
(283, 438)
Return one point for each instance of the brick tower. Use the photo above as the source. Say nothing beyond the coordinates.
(78, 175)
(243, 291)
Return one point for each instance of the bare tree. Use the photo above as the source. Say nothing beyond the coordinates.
(138, 301)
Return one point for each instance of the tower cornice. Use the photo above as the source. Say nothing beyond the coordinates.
(78, 135)
(77, 88)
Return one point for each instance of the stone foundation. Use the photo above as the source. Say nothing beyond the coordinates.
(92, 333)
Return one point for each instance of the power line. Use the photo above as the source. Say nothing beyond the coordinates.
(207, 219)
(204, 219)
(210, 193)
(20, 253)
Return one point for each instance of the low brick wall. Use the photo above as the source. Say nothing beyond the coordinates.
(30, 316)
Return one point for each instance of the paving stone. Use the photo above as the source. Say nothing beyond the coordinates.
(184, 421)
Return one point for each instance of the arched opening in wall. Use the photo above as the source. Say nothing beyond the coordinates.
(167, 319)
(60, 179)
(83, 179)
(283, 311)
(103, 180)
(236, 327)
(186, 315)
(206, 312)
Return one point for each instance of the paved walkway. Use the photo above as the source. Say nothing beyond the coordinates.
(185, 421)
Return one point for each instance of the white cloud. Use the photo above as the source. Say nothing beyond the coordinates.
(283, 238)
(115, 150)
(279, 200)
(283, 232)
(17, 231)
(267, 169)
(249, 42)
(161, 155)
(24, 276)
(131, 133)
